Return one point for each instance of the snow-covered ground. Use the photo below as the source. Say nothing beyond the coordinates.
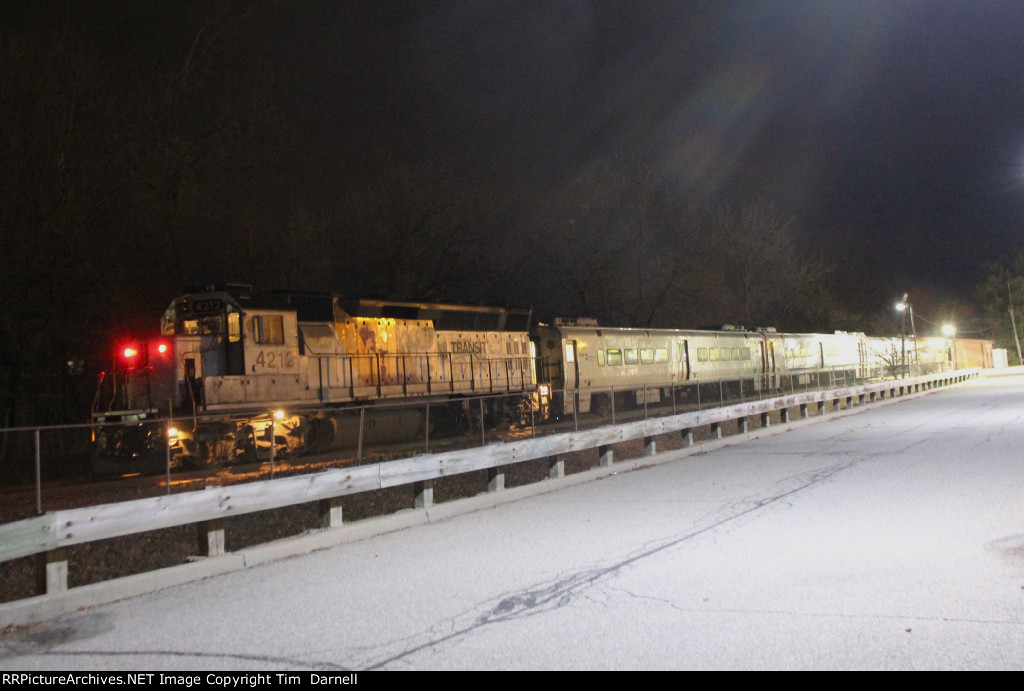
(891, 538)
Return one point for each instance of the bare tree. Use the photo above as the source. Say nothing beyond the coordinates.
(59, 151)
(766, 275)
(411, 233)
(115, 187)
(1000, 291)
(619, 242)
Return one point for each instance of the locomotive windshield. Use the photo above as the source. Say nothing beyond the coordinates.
(206, 317)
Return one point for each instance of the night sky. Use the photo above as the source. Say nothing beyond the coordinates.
(897, 128)
(891, 131)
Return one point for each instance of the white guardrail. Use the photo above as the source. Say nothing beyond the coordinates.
(47, 535)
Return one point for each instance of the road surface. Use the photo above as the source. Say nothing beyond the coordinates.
(892, 538)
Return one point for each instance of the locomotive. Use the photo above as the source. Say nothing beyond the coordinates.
(242, 371)
(245, 374)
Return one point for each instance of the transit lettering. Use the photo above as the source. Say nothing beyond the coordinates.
(470, 347)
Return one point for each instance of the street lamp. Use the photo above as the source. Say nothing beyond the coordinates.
(949, 331)
(903, 307)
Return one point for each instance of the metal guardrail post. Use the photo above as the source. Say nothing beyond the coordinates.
(167, 448)
(359, 448)
(52, 572)
(423, 493)
(39, 475)
(272, 431)
(483, 433)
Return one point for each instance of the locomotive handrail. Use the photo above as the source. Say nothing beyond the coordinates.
(50, 533)
(484, 373)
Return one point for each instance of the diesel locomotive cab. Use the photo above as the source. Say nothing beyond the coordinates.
(233, 350)
(208, 339)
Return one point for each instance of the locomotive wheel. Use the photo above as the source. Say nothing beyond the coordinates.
(321, 435)
(202, 459)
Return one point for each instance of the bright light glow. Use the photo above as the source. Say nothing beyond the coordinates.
(130, 352)
(901, 306)
(172, 433)
(162, 348)
(948, 330)
(278, 414)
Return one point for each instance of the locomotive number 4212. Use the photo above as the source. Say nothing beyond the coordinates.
(275, 359)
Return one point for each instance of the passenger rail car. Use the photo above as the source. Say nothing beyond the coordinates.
(584, 363)
(292, 362)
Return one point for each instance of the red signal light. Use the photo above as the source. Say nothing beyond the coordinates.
(139, 355)
(132, 356)
(128, 357)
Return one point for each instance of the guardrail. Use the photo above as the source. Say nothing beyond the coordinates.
(47, 457)
(46, 536)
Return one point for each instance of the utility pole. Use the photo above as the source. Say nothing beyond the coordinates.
(1013, 323)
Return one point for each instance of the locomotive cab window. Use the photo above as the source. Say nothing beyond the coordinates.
(269, 329)
(614, 357)
(212, 325)
(235, 326)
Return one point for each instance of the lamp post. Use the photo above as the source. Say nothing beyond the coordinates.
(903, 307)
(949, 331)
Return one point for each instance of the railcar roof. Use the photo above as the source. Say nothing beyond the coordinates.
(704, 331)
(629, 330)
(445, 316)
(312, 306)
